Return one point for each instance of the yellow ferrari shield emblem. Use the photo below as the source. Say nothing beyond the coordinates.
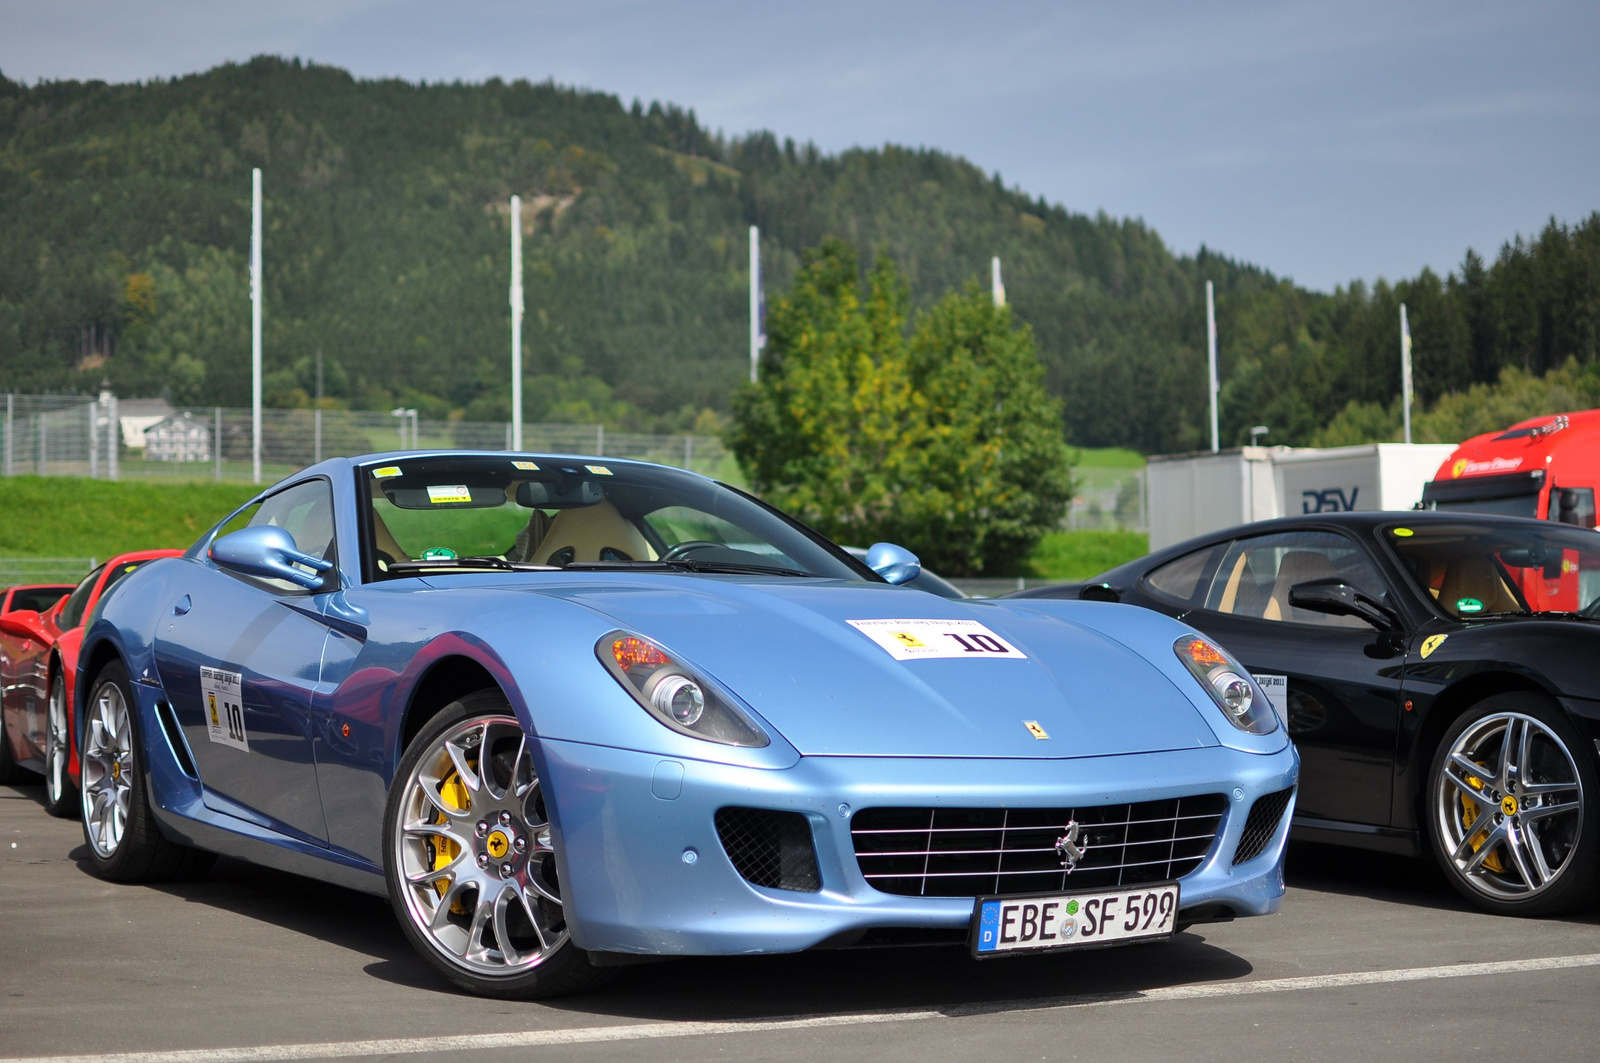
(212, 699)
(1034, 729)
(906, 638)
(1431, 643)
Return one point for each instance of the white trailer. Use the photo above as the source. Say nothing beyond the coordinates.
(1191, 494)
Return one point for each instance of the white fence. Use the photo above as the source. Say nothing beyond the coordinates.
(54, 435)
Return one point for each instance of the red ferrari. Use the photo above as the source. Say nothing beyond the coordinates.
(38, 659)
(35, 596)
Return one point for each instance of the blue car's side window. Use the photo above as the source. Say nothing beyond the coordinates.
(305, 511)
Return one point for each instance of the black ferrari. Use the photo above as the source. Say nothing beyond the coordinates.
(1440, 673)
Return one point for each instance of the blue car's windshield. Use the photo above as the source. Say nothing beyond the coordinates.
(513, 511)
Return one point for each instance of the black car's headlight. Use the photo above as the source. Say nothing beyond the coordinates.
(1228, 683)
(674, 693)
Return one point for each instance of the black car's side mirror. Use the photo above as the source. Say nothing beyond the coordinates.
(1337, 598)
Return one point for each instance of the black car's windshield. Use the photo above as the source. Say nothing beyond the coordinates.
(492, 512)
(1483, 569)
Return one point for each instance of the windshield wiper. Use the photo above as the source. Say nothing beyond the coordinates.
(475, 561)
(687, 564)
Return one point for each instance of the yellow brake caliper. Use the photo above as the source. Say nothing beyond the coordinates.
(443, 849)
(1469, 813)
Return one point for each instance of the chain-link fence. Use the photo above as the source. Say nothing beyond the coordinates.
(74, 436)
(1109, 500)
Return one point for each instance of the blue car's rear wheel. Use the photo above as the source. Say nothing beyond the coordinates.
(125, 842)
(471, 861)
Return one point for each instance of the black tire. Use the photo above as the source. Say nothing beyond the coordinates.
(114, 765)
(556, 966)
(60, 796)
(1520, 837)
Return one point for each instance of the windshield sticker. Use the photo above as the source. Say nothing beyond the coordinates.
(1404, 533)
(387, 470)
(525, 465)
(220, 693)
(916, 640)
(439, 494)
(1468, 605)
(598, 470)
(1431, 643)
(1276, 688)
(438, 553)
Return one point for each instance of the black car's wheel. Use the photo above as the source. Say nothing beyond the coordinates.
(470, 858)
(125, 843)
(1506, 809)
(60, 796)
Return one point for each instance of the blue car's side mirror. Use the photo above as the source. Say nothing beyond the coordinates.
(894, 563)
(269, 553)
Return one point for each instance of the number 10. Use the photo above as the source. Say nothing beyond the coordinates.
(978, 643)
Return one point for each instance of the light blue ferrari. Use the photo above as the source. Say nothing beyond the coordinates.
(571, 713)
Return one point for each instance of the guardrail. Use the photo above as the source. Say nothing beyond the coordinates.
(21, 570)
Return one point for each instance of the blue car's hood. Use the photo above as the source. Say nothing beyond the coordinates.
(787, 649)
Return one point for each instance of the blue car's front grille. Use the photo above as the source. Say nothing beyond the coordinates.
(969, 852)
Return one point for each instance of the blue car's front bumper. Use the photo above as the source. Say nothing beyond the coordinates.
(643, 870)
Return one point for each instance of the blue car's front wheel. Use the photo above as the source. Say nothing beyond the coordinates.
(471, 861)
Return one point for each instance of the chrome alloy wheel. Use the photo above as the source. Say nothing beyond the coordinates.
(1508, 803)
(56, 745)
(107, 769)
(476, 864)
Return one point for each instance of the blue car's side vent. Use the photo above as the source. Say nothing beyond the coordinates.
(174, 735)
(1261, 825)
(771, 849)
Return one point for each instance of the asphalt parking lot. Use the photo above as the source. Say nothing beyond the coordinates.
(1372, 958)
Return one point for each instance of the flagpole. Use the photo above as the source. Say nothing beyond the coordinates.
(1405, 369)
(997, 288)
(255, 326)
(1211, 362)
(516, 322)
(755, 301)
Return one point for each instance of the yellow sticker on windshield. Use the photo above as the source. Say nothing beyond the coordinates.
(598, 470)
(387, 470)
(441, 494)
(528, 465)
(1404, 533)
(1431, 643)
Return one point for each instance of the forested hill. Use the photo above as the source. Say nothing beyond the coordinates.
(125, 214)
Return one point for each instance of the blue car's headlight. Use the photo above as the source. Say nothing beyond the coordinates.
(1228, 683)
(674, 693)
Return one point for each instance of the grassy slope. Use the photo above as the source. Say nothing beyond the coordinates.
(1075, 555)
(71, 517)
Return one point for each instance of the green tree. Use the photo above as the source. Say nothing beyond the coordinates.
(946, 443)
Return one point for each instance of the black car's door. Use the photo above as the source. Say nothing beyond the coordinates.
(240, 659)
(1335, 679)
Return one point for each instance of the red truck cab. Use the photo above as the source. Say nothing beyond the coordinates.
(1547, 468)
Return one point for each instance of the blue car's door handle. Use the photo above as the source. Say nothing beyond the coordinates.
(182, 605)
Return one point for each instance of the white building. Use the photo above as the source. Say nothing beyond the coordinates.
(177, 438)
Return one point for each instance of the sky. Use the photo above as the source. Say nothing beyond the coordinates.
(1323, 141)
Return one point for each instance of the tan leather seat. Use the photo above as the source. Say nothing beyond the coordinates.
(384, 539)
(590, 531)
(1301, 566)
(1475, 576)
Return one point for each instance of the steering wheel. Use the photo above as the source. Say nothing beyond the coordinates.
(687, 547)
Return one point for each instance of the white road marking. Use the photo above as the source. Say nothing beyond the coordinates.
(662, 1030)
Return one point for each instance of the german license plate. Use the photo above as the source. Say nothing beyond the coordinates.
(1005, 925)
